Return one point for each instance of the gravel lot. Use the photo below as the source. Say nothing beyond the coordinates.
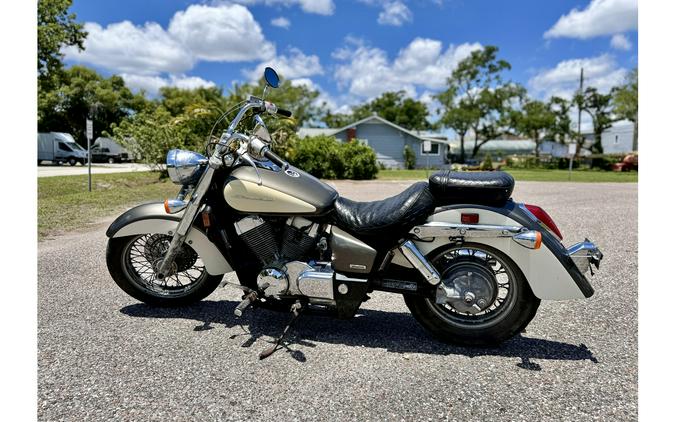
(103, 356)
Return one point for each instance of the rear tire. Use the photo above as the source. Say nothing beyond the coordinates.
(72, 161)
(507, 319)
(125, 273)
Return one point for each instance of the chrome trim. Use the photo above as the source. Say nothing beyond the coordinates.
(176, 205)
(248, 223)
(316, 284)
(529, 239)
(185, 167)
(417, 259)
(584, 254)
(441, 229)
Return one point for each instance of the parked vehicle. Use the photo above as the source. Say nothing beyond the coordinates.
(629, 162)
(471, 263)
(106, 150)
(60, 148)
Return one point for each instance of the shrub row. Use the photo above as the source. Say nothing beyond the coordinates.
(324, 157)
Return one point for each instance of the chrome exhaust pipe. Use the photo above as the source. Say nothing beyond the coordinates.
(417, 259)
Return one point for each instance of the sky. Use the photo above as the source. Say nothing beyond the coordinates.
(353, 50)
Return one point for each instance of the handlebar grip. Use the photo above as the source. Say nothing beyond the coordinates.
(284, 113)
(275, 159)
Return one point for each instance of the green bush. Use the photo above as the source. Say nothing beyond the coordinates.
(325, 158)
(487, 163)
(409, 157)
(319, 156)
(360, 161)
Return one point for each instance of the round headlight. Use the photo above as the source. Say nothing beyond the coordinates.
(185, 167)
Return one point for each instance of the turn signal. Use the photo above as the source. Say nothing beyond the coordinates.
(530, 239)
(172, 206)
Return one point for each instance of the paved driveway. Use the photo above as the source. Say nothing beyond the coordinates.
(102, 355)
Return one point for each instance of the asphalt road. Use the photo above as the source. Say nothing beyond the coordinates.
(102, 355)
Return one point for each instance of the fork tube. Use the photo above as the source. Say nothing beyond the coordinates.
(186, 222)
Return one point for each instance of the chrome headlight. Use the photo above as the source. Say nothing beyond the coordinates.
(185, 167)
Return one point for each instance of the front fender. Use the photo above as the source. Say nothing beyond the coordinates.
(151, 218)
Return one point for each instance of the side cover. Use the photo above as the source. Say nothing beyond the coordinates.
(151, 218)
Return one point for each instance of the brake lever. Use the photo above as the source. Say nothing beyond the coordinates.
(250, 161)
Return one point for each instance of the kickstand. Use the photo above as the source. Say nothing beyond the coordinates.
(296, 308)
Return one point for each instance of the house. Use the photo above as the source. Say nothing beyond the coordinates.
(497, 148)
(388, 140)
(618, 139)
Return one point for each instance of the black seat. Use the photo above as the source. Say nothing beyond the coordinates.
(491, 188)
(380, 222)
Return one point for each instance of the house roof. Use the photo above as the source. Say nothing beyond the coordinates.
(303, 132)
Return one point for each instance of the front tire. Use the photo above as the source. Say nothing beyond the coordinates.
(130, 263)
(72, 161)
(512, 307)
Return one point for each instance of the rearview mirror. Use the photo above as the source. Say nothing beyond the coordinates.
(271, 77)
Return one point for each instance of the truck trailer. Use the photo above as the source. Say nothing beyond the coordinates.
(59, 148)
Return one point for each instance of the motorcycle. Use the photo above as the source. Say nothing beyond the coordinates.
(471, 263)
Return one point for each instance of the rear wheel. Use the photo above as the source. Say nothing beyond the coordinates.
(132, 262)
(497, 302)
(72, 161)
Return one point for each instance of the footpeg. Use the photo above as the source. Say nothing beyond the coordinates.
(248, 299)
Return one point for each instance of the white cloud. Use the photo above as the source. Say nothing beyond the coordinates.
(152, 84)
(368, 72)
(394, 13)
(294, 65)
(600, 17)
(281, 22)
(620, 42)
(124, 47)
(600, 72)
(221, 33)
(319, 7)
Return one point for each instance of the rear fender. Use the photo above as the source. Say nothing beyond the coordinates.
(545, 271)
(151, 218)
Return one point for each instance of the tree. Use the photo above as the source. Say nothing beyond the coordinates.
(476, 87)
(626, 103)
(83, 93)
(56, 29)
(599, 107)
(396, 108)
(534, 120)
(458, 117)
(562, 129)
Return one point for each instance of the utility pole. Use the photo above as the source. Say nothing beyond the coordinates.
(90, 134)
(573, 154)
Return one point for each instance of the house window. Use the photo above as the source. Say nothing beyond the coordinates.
(435, 149)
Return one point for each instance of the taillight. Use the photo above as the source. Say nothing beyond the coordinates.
(544, 219)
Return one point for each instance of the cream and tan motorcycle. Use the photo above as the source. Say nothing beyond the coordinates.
(471, 263)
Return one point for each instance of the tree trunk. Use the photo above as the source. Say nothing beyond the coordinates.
(598, 143)
(536, 144)
(635, 134)
(462, 154)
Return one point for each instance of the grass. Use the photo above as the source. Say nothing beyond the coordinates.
(64, 203)
(539, 175)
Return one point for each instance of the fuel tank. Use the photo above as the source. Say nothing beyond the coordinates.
(287, 192)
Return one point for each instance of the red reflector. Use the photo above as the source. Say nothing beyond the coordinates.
(206, 219)
(469, 218)
(544, 219)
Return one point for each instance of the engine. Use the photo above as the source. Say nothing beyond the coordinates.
(272, 244)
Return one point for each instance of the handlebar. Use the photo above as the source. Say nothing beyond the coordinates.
(283, 112)
(275, 159)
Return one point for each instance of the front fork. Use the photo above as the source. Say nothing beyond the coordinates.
(164, 269)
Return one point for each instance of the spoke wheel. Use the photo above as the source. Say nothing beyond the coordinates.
(133, 261)
(475, 272)
(493, 300)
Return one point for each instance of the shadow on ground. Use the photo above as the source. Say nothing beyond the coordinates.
(394, 331)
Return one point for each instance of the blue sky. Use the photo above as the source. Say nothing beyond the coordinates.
(353, 50)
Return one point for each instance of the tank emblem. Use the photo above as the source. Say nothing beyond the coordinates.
(292, 173)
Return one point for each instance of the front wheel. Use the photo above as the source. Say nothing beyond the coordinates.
(132, 261)
(498, 300)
